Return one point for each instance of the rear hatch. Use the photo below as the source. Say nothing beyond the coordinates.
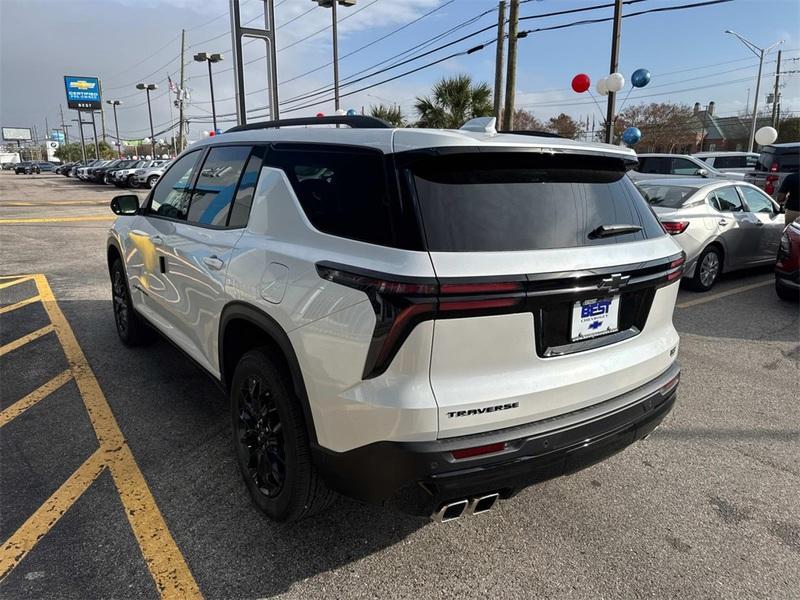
(556, 283)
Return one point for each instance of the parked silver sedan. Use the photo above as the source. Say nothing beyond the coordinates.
(721, 225)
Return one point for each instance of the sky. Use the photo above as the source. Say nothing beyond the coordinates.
(125, 42)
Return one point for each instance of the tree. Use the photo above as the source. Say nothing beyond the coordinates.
(391, 114)
(453, 102)
(72, 152)
(525, 121)
(565, 126)
(665, 127)
(789, 130)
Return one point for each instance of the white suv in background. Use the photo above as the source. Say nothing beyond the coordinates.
(426, 318)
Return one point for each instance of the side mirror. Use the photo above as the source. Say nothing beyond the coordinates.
(782, 209)
(702, 172)
(127, 204)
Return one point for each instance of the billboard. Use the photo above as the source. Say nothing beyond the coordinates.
(83, 93)
(20, 134)
(57, 136)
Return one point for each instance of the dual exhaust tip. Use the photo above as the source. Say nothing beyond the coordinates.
(459, 508)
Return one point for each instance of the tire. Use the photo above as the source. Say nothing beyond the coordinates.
(271, 442)
(151, 181)
(707, 270)
(786, 294)
(131, 329)
(129, 181)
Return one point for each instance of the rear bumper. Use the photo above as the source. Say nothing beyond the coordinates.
(418, 477)
(787, 279)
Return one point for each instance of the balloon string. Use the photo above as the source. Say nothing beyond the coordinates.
(602, 116)
(619, 110)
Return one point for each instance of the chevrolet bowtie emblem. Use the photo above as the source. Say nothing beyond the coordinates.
(614, 283)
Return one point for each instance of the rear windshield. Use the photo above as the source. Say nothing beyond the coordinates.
(525, 201)
(786, 159)
(667, 196)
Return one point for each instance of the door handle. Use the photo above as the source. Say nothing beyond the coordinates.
(213, 262)
(157, 240)
(723, 221)
(759, 223)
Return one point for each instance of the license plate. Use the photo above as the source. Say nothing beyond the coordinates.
(594, 317)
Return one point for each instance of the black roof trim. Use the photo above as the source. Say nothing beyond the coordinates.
(354, 122)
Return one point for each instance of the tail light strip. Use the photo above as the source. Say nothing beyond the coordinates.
(400, 303)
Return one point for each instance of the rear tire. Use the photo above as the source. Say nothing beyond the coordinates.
(131, 329)
(151, 181)
(707, 270)
(271, 442)
(786, 294)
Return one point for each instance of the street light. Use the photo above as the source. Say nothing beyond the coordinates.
(332, 5)
(210, 58)
(114, 104)
(760, 53)
(147, 87)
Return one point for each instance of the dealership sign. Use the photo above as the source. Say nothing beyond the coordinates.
(19, 134)
(83, 93)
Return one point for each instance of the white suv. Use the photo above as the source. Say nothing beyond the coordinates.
(426, 318)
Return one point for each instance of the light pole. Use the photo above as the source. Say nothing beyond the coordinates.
(147, 87)
(760, 53)
(210, 58)
(114, 104)
(332, 5)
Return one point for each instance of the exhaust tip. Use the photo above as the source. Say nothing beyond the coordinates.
(483, 504)
(451, 511)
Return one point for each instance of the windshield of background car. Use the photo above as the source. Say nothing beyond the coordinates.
(508, 201)
(665, 196)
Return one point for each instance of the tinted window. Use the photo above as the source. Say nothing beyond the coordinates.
(171, 195)
(669, 196)
(216, 184)
(788, 159)
(247, 187)
(683, 166)
(732, 162)
(654, 164)
(523, 201)
(756, 201)
(342, 192)
(727, 200)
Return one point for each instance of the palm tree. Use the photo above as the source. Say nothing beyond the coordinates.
(454, 101)
(392, 114)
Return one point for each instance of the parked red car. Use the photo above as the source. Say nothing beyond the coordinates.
(787, 269)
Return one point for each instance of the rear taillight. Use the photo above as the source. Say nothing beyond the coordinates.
(676, 268)
(400, 304)
(784, 248)
(675, 227)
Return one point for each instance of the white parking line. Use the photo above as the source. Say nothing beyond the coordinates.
(731, 292)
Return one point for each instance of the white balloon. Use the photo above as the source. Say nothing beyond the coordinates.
(601, 87)
(766, 135)
(341, 112)
(205, 134)
(615, 82)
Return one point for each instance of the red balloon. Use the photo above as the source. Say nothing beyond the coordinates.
(212, 133)
(581, 82)
(320, 114)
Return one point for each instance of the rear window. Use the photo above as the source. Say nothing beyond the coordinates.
(734, 162)
(526, 201)
(666, 196)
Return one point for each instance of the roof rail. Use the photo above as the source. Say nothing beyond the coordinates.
(548, 134)
(355, 122)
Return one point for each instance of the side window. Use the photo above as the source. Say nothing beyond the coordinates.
(342, 192)
(171, 195)
(656, 164)
(216, 185)
(712, 200)
(728, 200)
(683, 166)
(240, 213)
(756, 201)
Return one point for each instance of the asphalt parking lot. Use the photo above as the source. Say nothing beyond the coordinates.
(117, 476)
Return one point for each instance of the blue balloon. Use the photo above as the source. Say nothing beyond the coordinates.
(640, 78)
(631, 136)
(351, 112)
(219, 131)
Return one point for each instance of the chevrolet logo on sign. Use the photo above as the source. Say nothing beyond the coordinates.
(82, 84)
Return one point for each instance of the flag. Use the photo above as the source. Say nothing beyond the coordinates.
(172, 87)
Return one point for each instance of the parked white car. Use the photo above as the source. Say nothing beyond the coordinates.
(721, 225)
(425, 318)
(148, 176)
(656, 166)
(729, 162)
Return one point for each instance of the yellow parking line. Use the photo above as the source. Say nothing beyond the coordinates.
(20, 406)
(14, 280)
(20, 304)
(25, 339)
(48, 514)
(161, 554)
(59, 219)
(738, 290)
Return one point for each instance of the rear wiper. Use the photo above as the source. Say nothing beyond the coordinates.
(605, 231)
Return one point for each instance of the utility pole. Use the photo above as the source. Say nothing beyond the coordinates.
(498, 65)
(102, 112)
(63, 125)
(511, 74)
(776, 91)
(180, 95)
(96, 141)
(613, 68)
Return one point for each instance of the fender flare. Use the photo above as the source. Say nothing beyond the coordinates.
(247, 312)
